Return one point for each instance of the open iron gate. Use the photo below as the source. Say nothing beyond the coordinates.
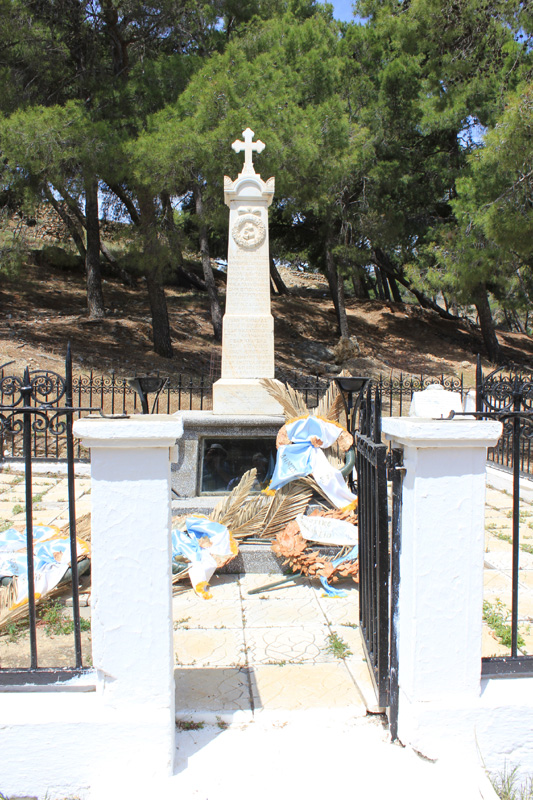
(379, 547)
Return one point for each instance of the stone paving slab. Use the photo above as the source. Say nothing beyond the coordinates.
(293, 613)
(198, 613)
(341, 610)
(299, 687)
(218, 694)
(281, 644)
(299, 587)
(210, 647)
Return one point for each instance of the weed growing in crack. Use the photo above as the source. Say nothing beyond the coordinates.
(181, 623)
(188, 725)
(337, 646)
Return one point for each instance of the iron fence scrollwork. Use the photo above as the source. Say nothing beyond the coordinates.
(42, 402)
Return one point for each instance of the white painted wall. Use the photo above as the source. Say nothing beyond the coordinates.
(60, 743)
(444, 705)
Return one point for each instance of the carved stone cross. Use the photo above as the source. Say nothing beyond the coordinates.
(248, 146)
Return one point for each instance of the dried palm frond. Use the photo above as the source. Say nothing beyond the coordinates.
(335, 456)
(302, 557)
(7, 598)
(251, 518)
(286, 504)
(224, 511)
(83, 528)
(313, 485)
(291, 401)
(331, 405)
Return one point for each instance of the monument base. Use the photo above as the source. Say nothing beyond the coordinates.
(243, 396)
(201, 425)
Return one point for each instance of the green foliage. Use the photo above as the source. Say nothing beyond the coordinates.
(337, 646)
(185, 725)
(373, 131)
(497, 196)
(16, 631)
(497, 618)
(52, 613)
(508, 786)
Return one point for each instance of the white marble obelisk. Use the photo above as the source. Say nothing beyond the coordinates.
(248, 326)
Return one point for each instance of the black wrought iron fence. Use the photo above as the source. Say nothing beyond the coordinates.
(506, 391)
(39, 402)
(192, 392)
(113, 395)
(379, 534)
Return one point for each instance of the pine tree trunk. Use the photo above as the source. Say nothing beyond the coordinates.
(486, 323)
(336, 287)
(153, 274)
(214, 302)
(384, 283)
(277, 280)
(395, 289)
(379, 283)
(383, 262)
(95, 297)
(72, 229)
(360, 289)
(174, 240)
(158, 308)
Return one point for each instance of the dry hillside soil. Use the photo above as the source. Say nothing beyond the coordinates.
(44, 307)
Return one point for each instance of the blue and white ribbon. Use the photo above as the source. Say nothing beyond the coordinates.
(302, 458)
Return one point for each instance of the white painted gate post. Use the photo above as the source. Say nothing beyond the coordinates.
(131, 590)
(439, 619)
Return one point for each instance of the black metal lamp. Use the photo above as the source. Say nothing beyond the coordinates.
(352, 389)
(145, 385)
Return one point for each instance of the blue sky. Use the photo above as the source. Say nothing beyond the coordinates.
(343, 9)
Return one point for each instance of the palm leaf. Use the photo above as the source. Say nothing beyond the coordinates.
(22, 611)
(7, 598)
(314, 487)
(224, 511)
(251, 517)
(291, 401)
(287, 503)
(331, 405)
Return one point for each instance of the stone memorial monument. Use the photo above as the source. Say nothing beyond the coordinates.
(248, 326)
(240, 432)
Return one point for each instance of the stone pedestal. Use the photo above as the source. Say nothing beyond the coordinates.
(248, 326)
(132, 631)
(441, 579)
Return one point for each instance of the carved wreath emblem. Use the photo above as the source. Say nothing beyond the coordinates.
(248, 231)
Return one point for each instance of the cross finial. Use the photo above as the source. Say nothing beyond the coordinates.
(248, 146)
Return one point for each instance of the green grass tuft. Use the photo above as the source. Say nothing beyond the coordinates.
(337, 646)
(507, 786)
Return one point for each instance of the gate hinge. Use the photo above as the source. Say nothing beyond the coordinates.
(394, 463)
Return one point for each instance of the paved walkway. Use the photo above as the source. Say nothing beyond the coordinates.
(274, 653)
